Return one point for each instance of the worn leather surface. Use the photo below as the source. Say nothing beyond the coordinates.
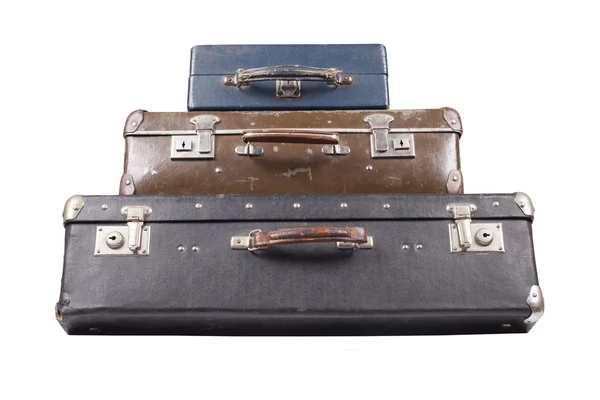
(366, 62)
(311, 288)
(294, 168)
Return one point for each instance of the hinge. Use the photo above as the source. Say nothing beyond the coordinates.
(488, 237)
(388, 145)
(110, 240)
(202, 145)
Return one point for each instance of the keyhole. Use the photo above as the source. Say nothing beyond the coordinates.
(485, 234)
(402, 143)
(183, 144)
(113, 237)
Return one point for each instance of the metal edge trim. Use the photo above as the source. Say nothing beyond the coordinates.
(535, 301)
(328, 130)
(525, 204)
(73, 207)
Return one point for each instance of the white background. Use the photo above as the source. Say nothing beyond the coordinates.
(523, 75)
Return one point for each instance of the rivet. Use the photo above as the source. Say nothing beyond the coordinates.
(453, 121)
(296, 205)
(498, 226)
(144, 251)
(419, 246)
(473, 208)
(522, 204)
(343, 205)
(198, 205)
(104, 207)
(456, 249)
(405, 247)
(386, 206)
(496, 204)
(128, 182)
(453, 226)
(75, 207)
(228, 79)
(238, 241)
(146, 229)
(97, 251)
(500, 248)
(455, 178)
(369, 167)
(181, 248)
(534, 294)
(148, 210)
(249, 205)
(195, 249)
(125, 209)
(218, 170)
(133, 123)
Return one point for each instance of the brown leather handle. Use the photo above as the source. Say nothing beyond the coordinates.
(289, 136)
(356, 235)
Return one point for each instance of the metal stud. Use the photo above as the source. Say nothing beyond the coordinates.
(133, 123)
(198, 205)
(249, 205)
(128, 182)
(500, 248)
(455, 178)
(75, 207)
(496, 204)
(181, 248)
(453, 121)
(195, 249)
(343, 205)
(296, 205)
(218, 170)
(369, 168)
(419, 246)
(405, 247)
(386, 206)
(104, 207)
(522, 204)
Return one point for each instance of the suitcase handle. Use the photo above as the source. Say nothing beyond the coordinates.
(289, 136)
(346, 237)
(331, 76)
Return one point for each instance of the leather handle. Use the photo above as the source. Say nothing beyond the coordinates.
(289, 136)
(306, 234)
(331, 76)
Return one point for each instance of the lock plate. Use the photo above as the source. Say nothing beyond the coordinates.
(185, 147)
(496, 245)
(400, 145)
(101, 247)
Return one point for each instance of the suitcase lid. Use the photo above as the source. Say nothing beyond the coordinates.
(342, 207)
(349, 58)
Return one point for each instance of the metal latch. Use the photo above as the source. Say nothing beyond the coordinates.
(288, 89)
(110, 240)
(385, 144)
(202, 145)
(488, 237)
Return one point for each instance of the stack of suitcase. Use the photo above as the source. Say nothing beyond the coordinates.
(290, 200)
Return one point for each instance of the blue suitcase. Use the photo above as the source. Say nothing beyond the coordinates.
(288, 77)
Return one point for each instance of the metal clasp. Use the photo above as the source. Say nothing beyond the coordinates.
(461, 213)
(135, 222)
(200, 146)
(385, 144)
(335, 150)
(288, 89)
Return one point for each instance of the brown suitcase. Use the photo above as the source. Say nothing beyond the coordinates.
(292, 152)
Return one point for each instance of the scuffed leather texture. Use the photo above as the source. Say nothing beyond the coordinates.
(367, 63)
(293, 168)
(300, 289)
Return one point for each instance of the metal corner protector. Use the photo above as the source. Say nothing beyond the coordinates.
(73, 207)
(525, 204)
(535, 301)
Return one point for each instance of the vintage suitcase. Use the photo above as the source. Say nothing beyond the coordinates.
(408, 151)
(288, 77)
(253, 265)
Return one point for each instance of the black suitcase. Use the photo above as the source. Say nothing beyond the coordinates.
(299, 265)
